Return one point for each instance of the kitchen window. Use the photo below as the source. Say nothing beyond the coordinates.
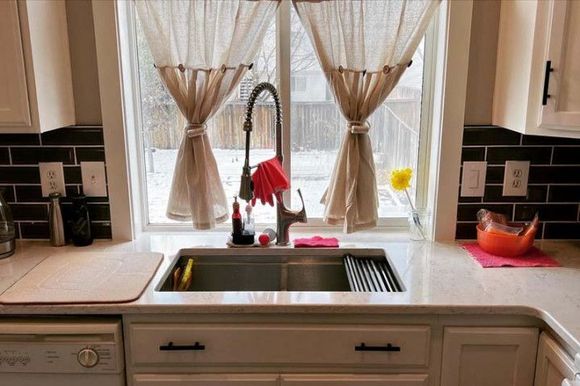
(312, 122)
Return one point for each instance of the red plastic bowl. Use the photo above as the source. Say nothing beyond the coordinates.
(505, 245)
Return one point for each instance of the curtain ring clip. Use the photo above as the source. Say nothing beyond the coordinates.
(386, 69)
(181, 67)
(250, 66)
(223, 68)
(340, 69)
(409, 65)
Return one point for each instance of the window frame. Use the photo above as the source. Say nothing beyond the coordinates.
(135, 140)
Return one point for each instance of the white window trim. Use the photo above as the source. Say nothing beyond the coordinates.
(449, 74)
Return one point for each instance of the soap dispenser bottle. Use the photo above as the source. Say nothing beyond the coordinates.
(236, 220)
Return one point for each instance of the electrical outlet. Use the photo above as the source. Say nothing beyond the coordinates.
(51, 178)
(515, 179)
(94, 180)
(473, 179)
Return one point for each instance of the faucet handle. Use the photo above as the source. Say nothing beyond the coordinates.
(302, 211)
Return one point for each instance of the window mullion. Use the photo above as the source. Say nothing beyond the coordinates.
(283, 74)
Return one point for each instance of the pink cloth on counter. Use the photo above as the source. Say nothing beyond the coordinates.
(532, 258)
(316, 242)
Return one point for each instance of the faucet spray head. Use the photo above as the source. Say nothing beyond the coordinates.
(246, 186)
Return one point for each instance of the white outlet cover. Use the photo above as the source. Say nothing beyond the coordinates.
(94, 180)
(515, 178)
(473, 178)
(51, 178)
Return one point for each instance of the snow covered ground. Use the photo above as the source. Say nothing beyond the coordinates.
(311, 172)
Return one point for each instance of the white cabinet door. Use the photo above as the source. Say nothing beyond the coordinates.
(553, 365)
(561, 99)
(206, 380)
(488, 356)
(354, 380)
(14, 107)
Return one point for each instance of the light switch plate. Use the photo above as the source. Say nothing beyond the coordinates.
(473, 179)
(94, 180)
(51, 178)
(515, 178)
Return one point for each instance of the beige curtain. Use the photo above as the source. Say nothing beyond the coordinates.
(202, 49)
(363, 47)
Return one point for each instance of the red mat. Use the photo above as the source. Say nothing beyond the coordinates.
(533, 258)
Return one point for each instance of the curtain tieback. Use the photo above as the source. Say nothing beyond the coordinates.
(358, 127)
(193, 130)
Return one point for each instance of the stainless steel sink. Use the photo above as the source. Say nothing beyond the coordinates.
(269, 269)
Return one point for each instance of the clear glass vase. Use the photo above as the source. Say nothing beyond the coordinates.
(419, 224)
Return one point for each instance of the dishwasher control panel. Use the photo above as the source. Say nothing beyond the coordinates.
(16, 357)
(61, 347)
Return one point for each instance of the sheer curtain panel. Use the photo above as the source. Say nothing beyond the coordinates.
(201, 49)
(363, 48)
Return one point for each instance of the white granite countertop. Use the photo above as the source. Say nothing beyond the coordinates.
(439, 279)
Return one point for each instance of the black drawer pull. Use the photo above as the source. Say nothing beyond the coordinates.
(388, 348)
(545, 94)
(172, 347)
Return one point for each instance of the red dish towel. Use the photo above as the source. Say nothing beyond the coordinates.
(316, 242)
(533, 258)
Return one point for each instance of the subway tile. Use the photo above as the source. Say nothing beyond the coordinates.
(468, 212)
(469, 199)
(473, 154)
(554, 174)
(490, 135)
(536, 155)
(85, 154)
(546, 212)
(34, 155)
(19, 139)
(19, 174)
(4, 156)
(74, 136)
(34, 230)
(101, 230)
(466, 231)
(566, 155)
(564, 193)
(540, 140)
(7, 192)
(99, 212)
(494, 175)
(33, 193)
(30, 212)
(562, 230)
(536, 193)
(72, 175)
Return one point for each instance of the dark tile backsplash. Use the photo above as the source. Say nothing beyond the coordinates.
(553, 187)
(20, 179)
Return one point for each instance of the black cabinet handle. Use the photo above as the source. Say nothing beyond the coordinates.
(388, 348)
(545, 95)
(172, 347)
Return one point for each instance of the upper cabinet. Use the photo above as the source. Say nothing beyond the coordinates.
(36, 93)
(537, 84)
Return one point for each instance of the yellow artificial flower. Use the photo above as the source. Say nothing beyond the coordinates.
(401, 178)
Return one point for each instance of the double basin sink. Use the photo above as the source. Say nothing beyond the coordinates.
(275, 269)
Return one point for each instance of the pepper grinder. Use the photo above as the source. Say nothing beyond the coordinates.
(55, 223)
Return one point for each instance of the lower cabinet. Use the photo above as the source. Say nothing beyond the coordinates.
(553, 365)
(279, 380)
(354, 380)
(206, 380)
(489, 356)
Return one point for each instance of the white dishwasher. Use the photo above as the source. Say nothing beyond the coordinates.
(61, 352)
